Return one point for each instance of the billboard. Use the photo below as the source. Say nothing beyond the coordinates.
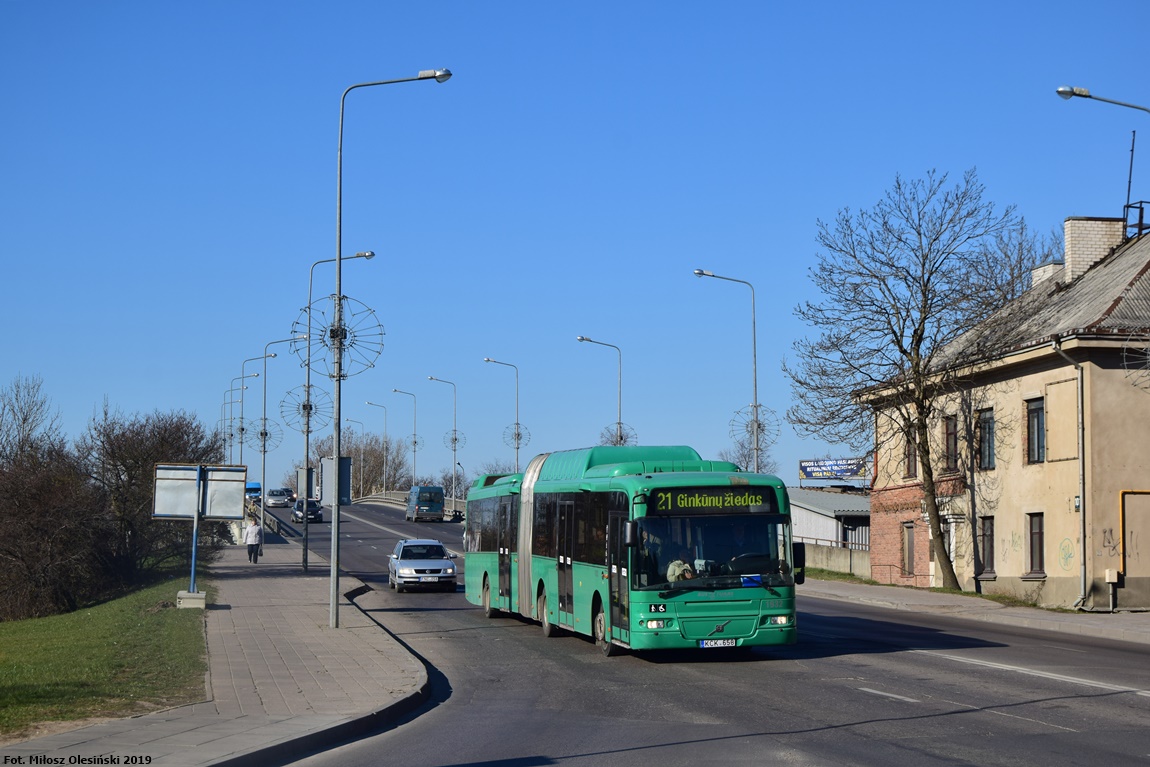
(184, 491)
(833, 468)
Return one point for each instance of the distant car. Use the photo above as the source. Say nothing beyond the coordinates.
(421, 562)
(279, 498)
(314, 511)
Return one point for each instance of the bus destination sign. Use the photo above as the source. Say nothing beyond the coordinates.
(713, 500)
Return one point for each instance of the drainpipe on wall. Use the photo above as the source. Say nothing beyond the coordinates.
(1057, 345)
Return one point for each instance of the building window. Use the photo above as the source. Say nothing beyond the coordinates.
(1037, 541)
(986, 545)
(985, 437)
(950, 443)
(908, 548)
(910, 457)
(1035, 431)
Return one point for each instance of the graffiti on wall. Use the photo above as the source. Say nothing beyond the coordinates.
(1065, 554)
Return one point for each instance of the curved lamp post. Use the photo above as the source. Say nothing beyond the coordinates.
(754, 363)
(243, 374)
(454, 434)
(508, 364)
(619, 421)
(338, 330)
(1068, 92)
(307, 404)
(264, 433)
(241, 388)
(414, 429)
(386, 447)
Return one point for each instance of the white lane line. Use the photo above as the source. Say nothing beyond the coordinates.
(1035, 672)
(889, 695)
(392, 530)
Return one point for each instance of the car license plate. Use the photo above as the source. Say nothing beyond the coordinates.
(428, 579)
(716, 643)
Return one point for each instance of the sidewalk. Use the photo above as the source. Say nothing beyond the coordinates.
(1122, 626)
(282, 683)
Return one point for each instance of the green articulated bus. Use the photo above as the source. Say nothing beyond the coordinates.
(639, 547)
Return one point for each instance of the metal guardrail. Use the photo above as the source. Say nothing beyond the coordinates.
(833, 543)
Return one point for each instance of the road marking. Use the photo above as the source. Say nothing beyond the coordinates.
(392, 530)
(1035, 672)
(889, 695)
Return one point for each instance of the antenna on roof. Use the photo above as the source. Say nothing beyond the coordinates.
(1130, 174)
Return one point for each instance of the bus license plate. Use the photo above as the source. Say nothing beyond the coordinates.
(716, 643)
(428, 579)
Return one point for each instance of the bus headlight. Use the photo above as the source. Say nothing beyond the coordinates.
(655, 623)
(779, 620)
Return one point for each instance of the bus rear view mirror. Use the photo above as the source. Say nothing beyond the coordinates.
(800, 568)
(631, 534)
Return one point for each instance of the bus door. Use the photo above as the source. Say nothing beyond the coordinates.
(565, 539)
(617, 576)
(506, 546)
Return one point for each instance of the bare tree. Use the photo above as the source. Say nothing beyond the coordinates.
(119, 453)
(900, 283)
(742, 453)
(47, 559)
(26, 417)
(497, 466)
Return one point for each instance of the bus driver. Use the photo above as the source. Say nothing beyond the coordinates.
(681, 569)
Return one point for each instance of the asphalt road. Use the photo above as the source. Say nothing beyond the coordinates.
(865, 686)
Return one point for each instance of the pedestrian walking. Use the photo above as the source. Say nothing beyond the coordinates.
(254, 538)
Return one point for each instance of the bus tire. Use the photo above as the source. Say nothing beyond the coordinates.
(488, 610)
(549, 628)
(599, 624)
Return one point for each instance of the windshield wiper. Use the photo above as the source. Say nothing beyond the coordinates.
(713, 584)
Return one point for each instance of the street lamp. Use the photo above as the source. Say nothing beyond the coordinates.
(1068, 93)
(414, 430)
(243, 374)
(454, 435)
(240, 389)
(307, 405)
(386, 447)
(362, 432)
(754, 363)
(619, 422)
(338, 331)
(264, 434)
(508, 364)
(227, 405)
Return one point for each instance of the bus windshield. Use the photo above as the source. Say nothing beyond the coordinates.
(712, 551)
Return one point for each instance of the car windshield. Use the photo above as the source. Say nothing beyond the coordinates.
(423, 551)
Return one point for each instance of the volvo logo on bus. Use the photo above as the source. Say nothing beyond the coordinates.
(719, 628)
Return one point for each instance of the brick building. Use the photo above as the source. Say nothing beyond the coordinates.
(1043, 467)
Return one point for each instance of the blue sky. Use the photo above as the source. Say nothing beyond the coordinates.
(169, 179)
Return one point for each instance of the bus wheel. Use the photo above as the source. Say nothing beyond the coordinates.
(549, 629)
(488, 610)
(599, 624)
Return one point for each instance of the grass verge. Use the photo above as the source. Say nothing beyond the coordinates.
(127, 656)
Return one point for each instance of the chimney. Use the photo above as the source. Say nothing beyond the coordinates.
(1088, 241)
(1045, 272)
